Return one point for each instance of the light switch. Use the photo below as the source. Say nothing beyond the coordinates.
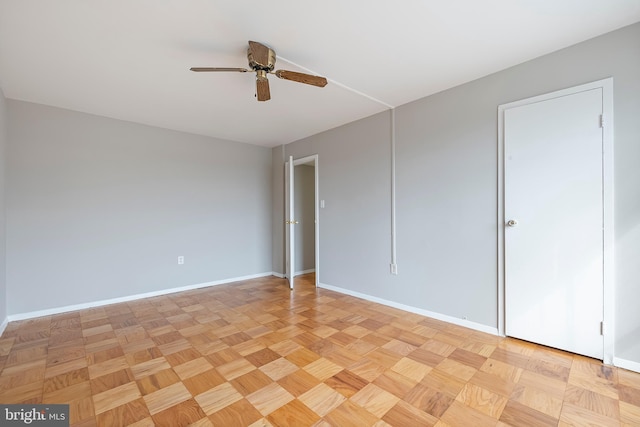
(322, 204)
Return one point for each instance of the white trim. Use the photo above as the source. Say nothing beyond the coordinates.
(626, 364)
(500, 222)
(317, 219)
(289, 207)
(311, 270)
(3, 325)
(94, 304)
(278, 275)
(443, 317)
(608, 206)
(304, 160)
(608, 314)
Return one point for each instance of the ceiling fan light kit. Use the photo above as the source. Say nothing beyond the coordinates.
(262, 60)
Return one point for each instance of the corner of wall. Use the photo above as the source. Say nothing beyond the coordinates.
(277, 210)
(3, 277)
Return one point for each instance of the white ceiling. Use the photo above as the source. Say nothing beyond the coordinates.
(130, 59)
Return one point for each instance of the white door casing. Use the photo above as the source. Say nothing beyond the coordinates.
(313, 160)
(289, 222)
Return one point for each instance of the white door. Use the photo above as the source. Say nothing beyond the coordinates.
(554, 222)
(289, 221)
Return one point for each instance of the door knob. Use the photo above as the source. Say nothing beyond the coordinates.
(512, 223)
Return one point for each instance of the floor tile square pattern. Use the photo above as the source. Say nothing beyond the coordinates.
(254, 353)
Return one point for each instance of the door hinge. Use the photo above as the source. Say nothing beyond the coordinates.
(601, 328)
(601, 120)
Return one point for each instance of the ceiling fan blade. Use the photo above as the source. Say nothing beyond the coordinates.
(262, 88)
(207, 69)
(260, 53)
(301, 78)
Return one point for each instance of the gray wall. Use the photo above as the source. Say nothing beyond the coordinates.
(99, 208)
(3, 240)
(446, 188)
(304, 205)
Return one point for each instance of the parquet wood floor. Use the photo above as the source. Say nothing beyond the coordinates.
(255, 354)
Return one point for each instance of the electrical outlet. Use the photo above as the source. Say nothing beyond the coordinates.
(180, 260)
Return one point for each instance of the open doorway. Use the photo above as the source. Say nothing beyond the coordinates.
(302, 225)
(304, 209)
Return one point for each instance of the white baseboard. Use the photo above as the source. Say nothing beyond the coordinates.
(279, 275)
(3, 325)
(449, 319)
(626, 364)
(93, 304)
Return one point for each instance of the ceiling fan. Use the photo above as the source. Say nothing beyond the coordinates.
(262, 60)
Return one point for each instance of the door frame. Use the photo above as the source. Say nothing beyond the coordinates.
(289, 231)
(296, 162)
(607, 199)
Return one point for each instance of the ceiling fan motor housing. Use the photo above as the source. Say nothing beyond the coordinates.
(260, 63)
